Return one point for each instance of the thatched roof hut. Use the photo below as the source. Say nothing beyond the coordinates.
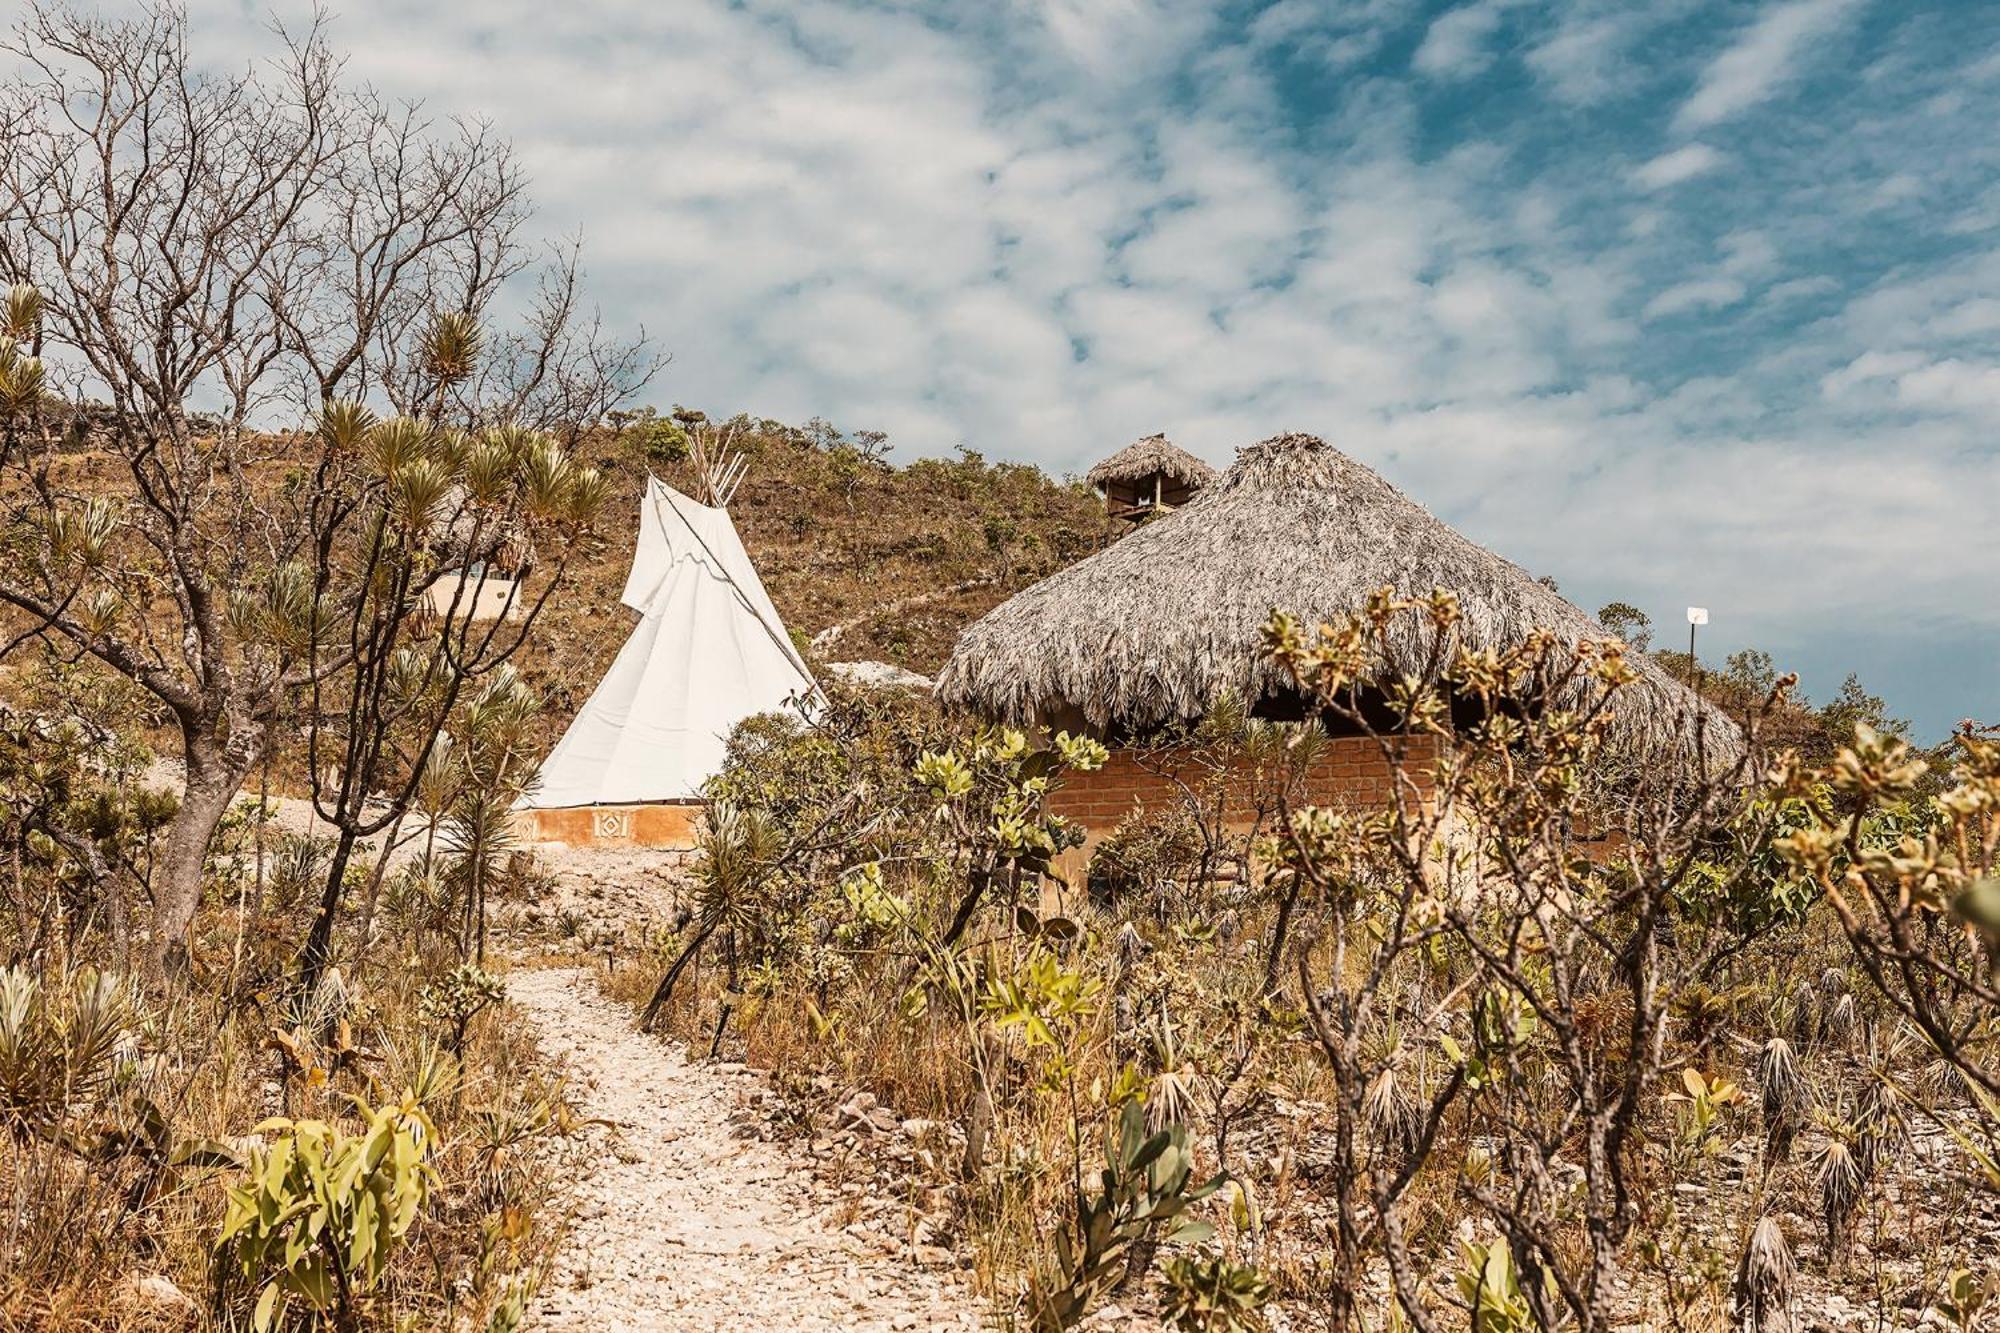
(1155, 628)
(1153, 456)
(1148, 478)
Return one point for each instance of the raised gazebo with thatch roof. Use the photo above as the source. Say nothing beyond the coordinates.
(1148, 477)
(1155, 629)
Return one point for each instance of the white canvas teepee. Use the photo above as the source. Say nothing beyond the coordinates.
(709, 651)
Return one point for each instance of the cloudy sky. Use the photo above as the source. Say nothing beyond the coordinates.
(1676, 302)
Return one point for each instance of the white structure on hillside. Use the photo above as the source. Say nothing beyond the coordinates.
(479, 594)
(709, 651)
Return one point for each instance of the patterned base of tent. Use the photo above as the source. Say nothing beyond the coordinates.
(671, 824)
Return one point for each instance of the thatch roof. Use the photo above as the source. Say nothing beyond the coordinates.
(1156, 627)
(1142, 458)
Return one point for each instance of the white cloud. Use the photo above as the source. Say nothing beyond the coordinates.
(1867, 368)
(1747, 253)
(1699, 294)
(1762, 61)
(1897, 188)
(1583, 60)
(1457, 44)
(1798, 289)
(1952, 385)
(1672, 168)
(1979, 316)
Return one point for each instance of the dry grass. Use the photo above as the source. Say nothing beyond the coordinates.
(836, 1019)
(80, 1229)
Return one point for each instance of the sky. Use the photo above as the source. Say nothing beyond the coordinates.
(1677, 303)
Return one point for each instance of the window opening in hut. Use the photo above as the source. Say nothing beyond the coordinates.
(1155, 493)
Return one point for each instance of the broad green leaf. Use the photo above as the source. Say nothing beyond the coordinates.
(267, 1308)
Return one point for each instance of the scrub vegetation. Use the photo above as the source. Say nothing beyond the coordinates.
(1569, 1029)
(1557, 1036)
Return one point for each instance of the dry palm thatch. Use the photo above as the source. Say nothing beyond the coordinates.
(1142, 458)
(1154, 629)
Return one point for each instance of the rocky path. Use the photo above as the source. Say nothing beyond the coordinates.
(683, 1226)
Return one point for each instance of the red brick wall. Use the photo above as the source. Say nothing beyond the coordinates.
(1351, 770)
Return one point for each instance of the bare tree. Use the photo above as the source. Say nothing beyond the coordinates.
(375, 722)
(249, 245)
(1472, 885)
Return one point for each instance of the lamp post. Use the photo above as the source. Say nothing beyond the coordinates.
(1697, 615)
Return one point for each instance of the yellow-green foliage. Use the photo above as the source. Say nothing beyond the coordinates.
(321, 1211)
(1491, 1290)
(1214, 1295)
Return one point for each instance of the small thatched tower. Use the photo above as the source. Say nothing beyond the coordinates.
(1149, 477)
(1156, 628)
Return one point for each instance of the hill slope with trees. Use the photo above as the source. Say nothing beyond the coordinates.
(866, 560)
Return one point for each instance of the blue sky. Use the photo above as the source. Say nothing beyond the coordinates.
(1676, 302)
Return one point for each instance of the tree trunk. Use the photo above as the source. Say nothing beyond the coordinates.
(376, 876)
(978, 1114)
(1275, 959)
(319, 940)
(213, 779)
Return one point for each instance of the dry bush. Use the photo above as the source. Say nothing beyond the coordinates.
(1576, 1040)
(125, 1121)
(125, 1117)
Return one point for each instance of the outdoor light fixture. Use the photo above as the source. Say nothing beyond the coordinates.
(1697, 615)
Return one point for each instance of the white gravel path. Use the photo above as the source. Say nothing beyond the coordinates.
(683, 1226)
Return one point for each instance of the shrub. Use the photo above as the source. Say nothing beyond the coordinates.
(1146, 852)
(1143, 1193)
(1214, 1295)
(322, 1211)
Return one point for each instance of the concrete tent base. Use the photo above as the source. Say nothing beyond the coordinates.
(669, 824)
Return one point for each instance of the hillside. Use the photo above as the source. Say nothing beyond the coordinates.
(896, 558)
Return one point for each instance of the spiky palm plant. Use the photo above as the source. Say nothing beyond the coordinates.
(1785, 1098)
(1805, 1006)
(451, 346)
(21, 373)
(59, 1046)
(495, 758)
(1765, 1278)
(21, 315)
(1170, 1092)
(1843, 1181)
(740, 848)
(1875, 1121)
(1840, 1022)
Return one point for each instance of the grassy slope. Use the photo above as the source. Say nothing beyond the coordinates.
(902, 556)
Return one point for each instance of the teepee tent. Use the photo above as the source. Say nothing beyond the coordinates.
(709, 651)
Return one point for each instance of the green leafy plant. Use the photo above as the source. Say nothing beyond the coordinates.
(1491, 1289)
(1143, 1194)
(1044, 999)
(1966, 1294)
(992, 794)
(458, 997)
(322, 1211)
(1700, 1106)
(1214, 1295)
